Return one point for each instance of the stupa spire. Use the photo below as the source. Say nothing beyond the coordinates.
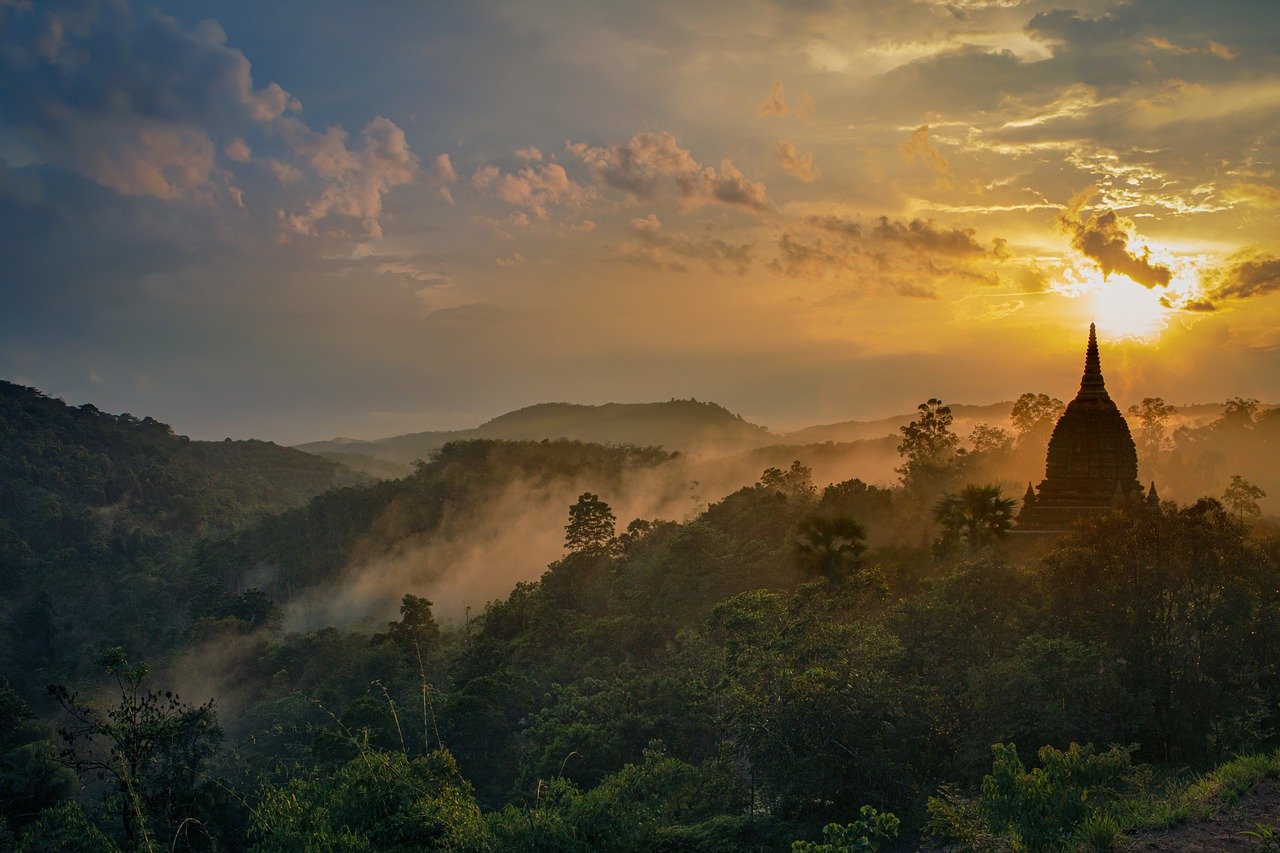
(1091, 384)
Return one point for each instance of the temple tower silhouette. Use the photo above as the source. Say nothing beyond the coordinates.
(1092, 462)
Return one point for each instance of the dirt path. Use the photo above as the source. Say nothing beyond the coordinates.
(1225, 830)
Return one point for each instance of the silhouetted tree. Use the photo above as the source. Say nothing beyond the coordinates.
(1153, 415)
(989, 440)
(150, 747)
(1241, 497)
(977, 514)
(928, 447)
(1034, 416)
(829, 546)
(591, 526)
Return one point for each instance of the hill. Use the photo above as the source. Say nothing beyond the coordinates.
(675, 425)
(95, 507)
(965, 417)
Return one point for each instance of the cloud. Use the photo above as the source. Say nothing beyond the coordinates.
(1212, 48)
(355, 179)
(443, 171)
(652, 163)
(530, 153)
(1104, 238)
(919, 148)
(917, 235)
(1258, 195)
(906, 258)
(538, 187)
(654, 249)
(797, 163)
(1246, 274)
(774, 105)
(85, 97)
(237, 150)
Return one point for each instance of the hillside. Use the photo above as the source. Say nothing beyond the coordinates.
(675, 425)
(94, 508)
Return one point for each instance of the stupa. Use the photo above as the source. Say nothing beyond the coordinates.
(1092, 462)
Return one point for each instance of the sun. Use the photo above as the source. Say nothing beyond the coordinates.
(1121, 307)
(1125, 309)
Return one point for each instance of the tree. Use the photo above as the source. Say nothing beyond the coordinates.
(1239, 413)
(829, 546)
(416, 626)
(867, 835)
(1034, 416)
(977, 514)
(150, 747)
(796, 480)
(1153, 415)
(928, 446)
(591, 526)
(989, 440)
(1242, 497)
(31, 779)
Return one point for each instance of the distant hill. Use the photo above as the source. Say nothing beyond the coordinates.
(966, 416)
(675, 425)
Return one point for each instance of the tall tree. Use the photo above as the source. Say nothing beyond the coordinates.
(1033, 417)
(591, 526)
(1153, 415)
(929, 449)
(1241, 497)
(151, 747)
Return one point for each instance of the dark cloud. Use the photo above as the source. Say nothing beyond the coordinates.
(656, 249)
(140, 121)
(1104, 238)
(917, 235)
(1244, 276)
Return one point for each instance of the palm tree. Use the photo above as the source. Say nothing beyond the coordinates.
(829, 545)
(978, 514)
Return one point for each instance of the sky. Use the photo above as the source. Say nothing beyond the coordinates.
(298, 220)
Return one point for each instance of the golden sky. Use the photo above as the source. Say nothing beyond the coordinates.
(316, 219)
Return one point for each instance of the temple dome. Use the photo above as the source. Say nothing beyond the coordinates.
(1091, 459)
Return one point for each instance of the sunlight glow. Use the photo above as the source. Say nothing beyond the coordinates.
(1121, 307)
(1127, 310)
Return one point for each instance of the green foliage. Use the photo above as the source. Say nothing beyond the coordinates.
(1040, 809)
(1187, 601)
(1048, 691)
(866, 835)
(64, 828)
(31, 779)
(829, 546)
(150, 747)
(377, 801)
(1267, 837)
(657, 803)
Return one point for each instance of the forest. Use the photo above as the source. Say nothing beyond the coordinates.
(227, 645)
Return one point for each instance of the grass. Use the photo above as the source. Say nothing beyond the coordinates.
(1199, 798)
